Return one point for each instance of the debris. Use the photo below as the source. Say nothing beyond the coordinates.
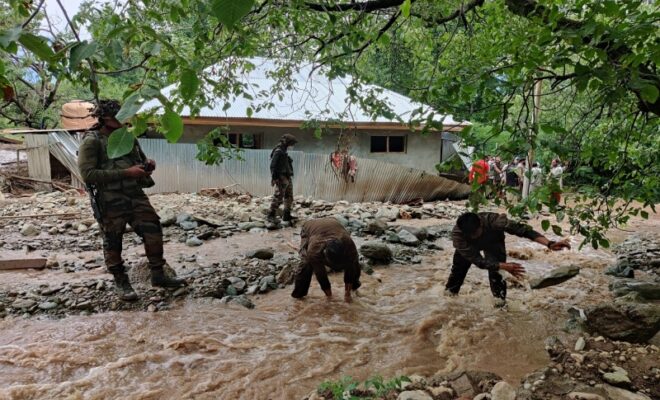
(555, 277)
(28, 263)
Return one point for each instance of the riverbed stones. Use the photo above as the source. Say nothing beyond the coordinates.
(503, 391)
(615, 393)
(407, 238)
(261, 254)
(420, 233)
(23, 304)
(237, 283)
(645, 290)
(388, 213)
(414, 395)
(580, 344)
(376, 251)
(286, 274)
(630, 322)
(555, 277)
(267, 283)
(47, 305)
(617, 377)
(30, 230)
(376, 227)
(194, 242)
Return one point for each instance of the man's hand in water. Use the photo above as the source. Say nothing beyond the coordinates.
(560, 245)
(514, 269)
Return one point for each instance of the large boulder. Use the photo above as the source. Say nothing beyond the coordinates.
(630, 322)
(555, 277)
(376, 251)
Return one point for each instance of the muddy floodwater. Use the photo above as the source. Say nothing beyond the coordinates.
(400, 324)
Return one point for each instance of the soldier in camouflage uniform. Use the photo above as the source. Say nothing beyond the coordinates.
(281, 170)
(120, 199)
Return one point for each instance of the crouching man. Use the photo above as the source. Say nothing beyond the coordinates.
(484, 231)
(324, 241)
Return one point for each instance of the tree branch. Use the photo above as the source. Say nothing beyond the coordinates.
(367, 6)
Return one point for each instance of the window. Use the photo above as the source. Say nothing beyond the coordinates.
(244, 140)
(388, 144)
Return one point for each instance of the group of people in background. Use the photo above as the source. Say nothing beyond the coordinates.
(507, 179)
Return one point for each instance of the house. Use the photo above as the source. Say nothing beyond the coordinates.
(313, 100)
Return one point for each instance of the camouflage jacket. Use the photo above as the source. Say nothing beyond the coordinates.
(108, 173)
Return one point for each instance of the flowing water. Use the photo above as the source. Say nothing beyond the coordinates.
(400, 324)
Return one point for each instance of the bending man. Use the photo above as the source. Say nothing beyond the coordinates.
(324, 241)
(484, 231)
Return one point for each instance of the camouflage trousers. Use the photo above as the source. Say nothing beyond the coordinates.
(120, 209)
(283, 193)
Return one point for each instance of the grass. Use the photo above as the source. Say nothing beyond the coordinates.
(348, 388)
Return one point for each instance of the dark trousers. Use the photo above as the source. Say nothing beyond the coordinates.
(304, 279)
(461, 266)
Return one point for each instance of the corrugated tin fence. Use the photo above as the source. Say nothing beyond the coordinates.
(178, 171)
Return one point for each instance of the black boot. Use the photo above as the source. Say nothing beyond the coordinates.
(158, 278)
(123, 287)
(272, 217)
(286, 216)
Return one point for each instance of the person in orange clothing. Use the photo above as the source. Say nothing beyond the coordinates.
(479, 171)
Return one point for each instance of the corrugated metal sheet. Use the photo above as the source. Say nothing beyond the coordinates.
(178, 171)
(64, 147)
(310, 95)
(38, 156)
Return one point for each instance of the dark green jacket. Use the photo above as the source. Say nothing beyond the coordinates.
(108, 174)
(280, 163)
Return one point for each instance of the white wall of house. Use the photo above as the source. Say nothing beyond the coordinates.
(420, 152)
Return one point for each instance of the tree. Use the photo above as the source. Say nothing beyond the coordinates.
(479, 60)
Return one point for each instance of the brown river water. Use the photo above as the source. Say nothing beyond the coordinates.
(400, 324)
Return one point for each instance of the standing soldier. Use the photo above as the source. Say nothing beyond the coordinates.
(115, 185)
(281, 171)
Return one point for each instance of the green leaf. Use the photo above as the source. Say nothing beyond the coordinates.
(405, 8)
(644, 214)
(556, 229)
(248, 112)
(189, 84)
(130, 107)
(172, 126)
(10, 35)
(545, 224)
(229, 12)
(649, 93)
(37, 45)
(120, 143)
(604, 243)
(81, 51)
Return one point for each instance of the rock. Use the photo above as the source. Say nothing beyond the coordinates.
(555, 277)
(630, 322)
(82, 228)
(343, 221)
(183, 217)
(376, 227)
(242, 300)
(463, 386)
(407, 238)
(442, 393)
(188, 225)
(420, 233)
(167, 217)
(387, 213)
(237, 283)
(647, 290)
(503, 391)
(376, 250)
(483, 396)
(246, 226)
(584, 396)
(618, 377)
(621, 270)
(621, 394)
(286, 274)
(23, 304)
(414, 395)
(47, 305)
(30, 230)
(194, 242)
(53, 231)
(579, 344)
(266, 283)
(262, 254)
